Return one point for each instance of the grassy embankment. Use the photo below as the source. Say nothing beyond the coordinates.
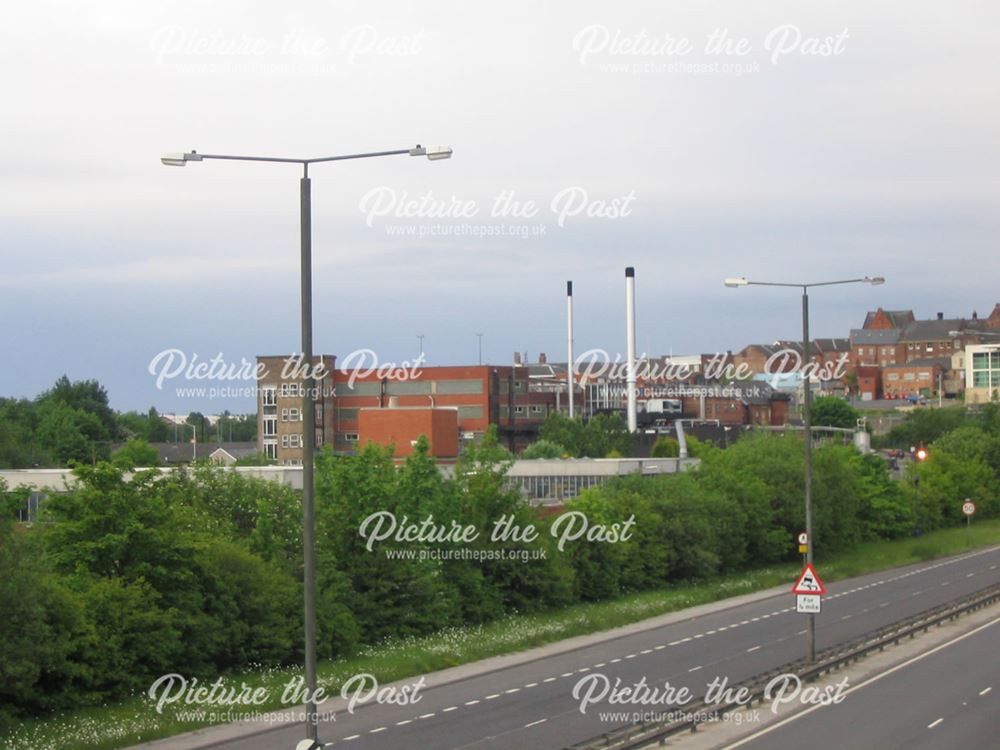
(135, 720)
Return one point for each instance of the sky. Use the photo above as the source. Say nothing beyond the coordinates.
(694, 140)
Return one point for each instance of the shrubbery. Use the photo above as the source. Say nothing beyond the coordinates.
(199, 571)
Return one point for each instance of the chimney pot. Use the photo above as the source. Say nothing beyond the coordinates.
(541, 358)
(940, 316)
(517, 358)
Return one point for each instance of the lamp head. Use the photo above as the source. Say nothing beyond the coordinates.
(179, 159)
(433, 153)
(735, 282)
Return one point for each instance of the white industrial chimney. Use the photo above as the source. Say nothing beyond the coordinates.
(570, 381)
(630, 345)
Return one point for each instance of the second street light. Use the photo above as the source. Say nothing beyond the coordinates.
(434, 153)
(806, 414)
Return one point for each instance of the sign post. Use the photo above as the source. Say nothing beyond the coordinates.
(969, 509)
(808, 589)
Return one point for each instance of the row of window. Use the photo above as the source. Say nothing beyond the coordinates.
(910, 376)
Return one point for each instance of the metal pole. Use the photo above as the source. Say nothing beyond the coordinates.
(569, 345)
(480, 336)
(807, 419)
(630, 345)
(308, 448)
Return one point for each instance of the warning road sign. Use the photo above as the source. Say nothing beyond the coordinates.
(809, 582)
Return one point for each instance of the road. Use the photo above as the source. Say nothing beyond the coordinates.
(946, 698)
(531, 707)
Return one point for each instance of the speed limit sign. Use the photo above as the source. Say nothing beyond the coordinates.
(968, 507)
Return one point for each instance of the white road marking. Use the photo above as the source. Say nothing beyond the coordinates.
(515, 690)
(749, 650)
(472, 703)
(535, 684)
(934, 723)
(550, 679)
(450, 708)
(630, 656)
(426, 716)
(659, 648)
(985, 691)
(535, 723)
(376, 731)
(404, 722)
(615, 661)
(876, 678)
(646, 651)
(352, 737)
(695, 669)
(566, 674)
(490, 697)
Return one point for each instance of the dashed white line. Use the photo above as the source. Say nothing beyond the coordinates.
(488, 697)
(404, 722)
(646, 651)
(630, 656)
(660, 647)
(535, 684)
(581, 669)
(934, 723)
(426, 716)
(450, 708)
(985, 691)
(518, 690)
(535, 723)
(749, 650)
(472, 703)
(695, 669)
(549, 679)
(376, 731)
(615, 661)
(566, 674)
(352, 737)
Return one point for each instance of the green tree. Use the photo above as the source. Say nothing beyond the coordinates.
(830, 411)
(665, 447)
(136, 453)
(543, 449)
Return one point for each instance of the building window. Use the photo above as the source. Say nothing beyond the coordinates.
(270, 426)
(536, 409)
(350, 437)
(893, 376)
(909, 376)
(295, 441)
(269, 396)
(925, 376)
(271, 449)
(284, 441)
(518, 410)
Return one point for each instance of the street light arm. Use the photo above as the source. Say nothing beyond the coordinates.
(433, 153)
(875, 280)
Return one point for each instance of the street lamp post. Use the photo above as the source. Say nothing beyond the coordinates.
(480, 337)
(807, 416)
(308, 398)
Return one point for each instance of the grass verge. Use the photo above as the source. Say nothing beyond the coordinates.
(136, 720)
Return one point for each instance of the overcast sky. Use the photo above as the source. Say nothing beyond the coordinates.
(848, 138)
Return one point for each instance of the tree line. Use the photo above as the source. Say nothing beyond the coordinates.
(198, 571)
(73, 422)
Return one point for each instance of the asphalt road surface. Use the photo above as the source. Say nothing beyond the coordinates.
(946, 698)
(531, 706)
